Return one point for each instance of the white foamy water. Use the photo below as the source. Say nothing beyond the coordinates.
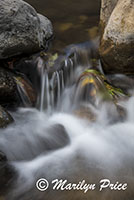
(35, 151)
(62, 144)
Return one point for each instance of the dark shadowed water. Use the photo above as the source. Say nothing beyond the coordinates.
(72, 19)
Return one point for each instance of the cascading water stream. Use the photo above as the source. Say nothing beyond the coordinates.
(59, 142)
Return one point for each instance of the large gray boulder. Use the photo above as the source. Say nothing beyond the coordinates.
(117, 43)
(22, 30)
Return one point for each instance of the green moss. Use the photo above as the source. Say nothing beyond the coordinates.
(104, 89)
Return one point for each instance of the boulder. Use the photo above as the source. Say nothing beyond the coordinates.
(117, 43)
(5, 118)
(22, 30)
(46, 26)
(107, 7)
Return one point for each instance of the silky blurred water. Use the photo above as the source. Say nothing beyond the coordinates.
(64, 144)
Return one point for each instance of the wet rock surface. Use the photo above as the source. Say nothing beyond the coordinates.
(7, 87)
(5, 118)
(7, 174)
(12, 86)
(22, 30)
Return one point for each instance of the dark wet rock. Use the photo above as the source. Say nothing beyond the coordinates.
(14, 88)
(126, 83)
(31, 67)
(22, 30)
(25, 91)
(3, 157)
(7, 174)
(7, 87)
(5, 118)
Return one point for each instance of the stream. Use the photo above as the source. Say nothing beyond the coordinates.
(61, 141)
(72, 134)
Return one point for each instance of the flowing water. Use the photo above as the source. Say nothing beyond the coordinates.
(58, 142)
(69, 137)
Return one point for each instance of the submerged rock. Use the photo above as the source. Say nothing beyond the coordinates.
(5, 118)
(22, 30)
(117, 43)
(33, 142)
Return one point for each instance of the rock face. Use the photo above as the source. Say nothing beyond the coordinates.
(107, 7)
(117, 42)
(22, 30)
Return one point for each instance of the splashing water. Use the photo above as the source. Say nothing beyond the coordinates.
(66, 145)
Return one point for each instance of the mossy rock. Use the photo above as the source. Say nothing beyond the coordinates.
(100, 87)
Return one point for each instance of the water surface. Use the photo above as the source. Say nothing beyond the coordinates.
(72, 19)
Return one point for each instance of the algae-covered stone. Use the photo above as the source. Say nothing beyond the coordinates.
(93, 86)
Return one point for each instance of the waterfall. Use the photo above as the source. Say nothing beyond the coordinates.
(69, 136)
(54, 83)
(45, 101)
